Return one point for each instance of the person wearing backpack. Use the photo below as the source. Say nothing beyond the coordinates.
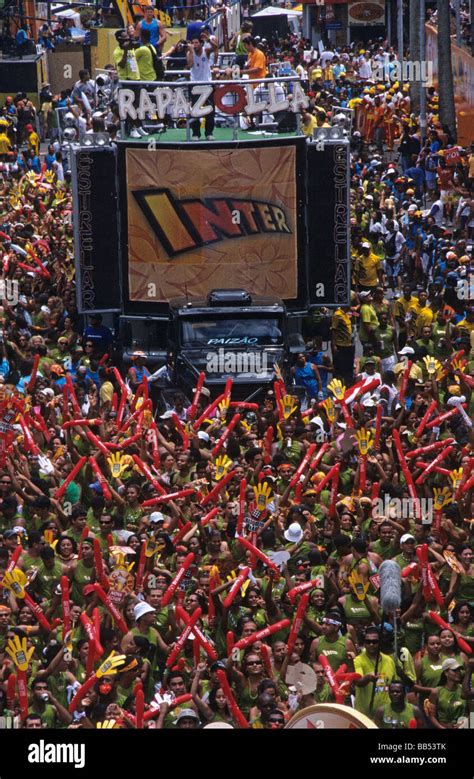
(150, 65)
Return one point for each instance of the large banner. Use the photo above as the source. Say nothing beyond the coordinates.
(96, 239)
(200, 219)
(463, 74)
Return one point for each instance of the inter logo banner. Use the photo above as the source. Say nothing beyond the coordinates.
(201, 219)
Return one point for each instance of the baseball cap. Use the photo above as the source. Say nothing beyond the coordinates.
(141, 609)
(186, 713)
(157, 516)
(451, 664)
(406, 350)
(10, 533)
(407, 537)
(366, 293)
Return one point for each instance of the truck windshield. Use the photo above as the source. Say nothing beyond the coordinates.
(238, 331)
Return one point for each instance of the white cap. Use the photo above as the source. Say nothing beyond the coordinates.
(166, 415)
(407, 537)
(406, 350)
(294, 534)
(366, 292)
(365, 245)
(141, 609)
(413, 207)
(157, 516)
(203, 436)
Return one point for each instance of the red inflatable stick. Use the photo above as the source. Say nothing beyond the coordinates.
(97, 443)
(171, 496)
(31, 383)
(430, 448)
(148, 474)
(229, 641)
(322, 659)
(81, 423)
(244, 405)
(466, 472)
(267, 445)
(413, 569)
(99, 565)
(29, 443)
(240, 518)
(261, 555)
(300, 588)
(265, 655)
(430, 585)
(187, 562)
(212, 495)
(235, 419)
(141, 567)
(259, 635)
(191, 413)
(334, 490)
(182, 432)
(22, 693)
(378, 427)
(442, 456)
(438, 421)
(14, 558)
(139, 705)
(182, 532)
(404, 384)
(66, 605)
(319, 487)
(91, 633)
(72, 394)
(96, 620)
(179, 645)
(297, 622)
(430, 410)
(111, 608)
(208, 411)
(207, 517)
(197, 632)
(151, 713)
(234, 709)
(406, 472)
(237, 584)
(11, 689)
(38, 612)
(463, 645)
(101, 479)
(302, 466)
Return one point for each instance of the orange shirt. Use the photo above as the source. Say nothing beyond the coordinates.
(258, 60)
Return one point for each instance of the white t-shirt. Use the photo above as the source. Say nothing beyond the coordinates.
(201, 69)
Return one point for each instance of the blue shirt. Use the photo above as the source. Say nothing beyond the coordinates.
(101, 335)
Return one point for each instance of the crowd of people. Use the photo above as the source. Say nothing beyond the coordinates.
(187, 568)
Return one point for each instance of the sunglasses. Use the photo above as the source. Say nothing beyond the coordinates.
(254, 662)
(371, 641)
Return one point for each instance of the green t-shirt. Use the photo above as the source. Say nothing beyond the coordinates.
(397, 720)
(386, 673)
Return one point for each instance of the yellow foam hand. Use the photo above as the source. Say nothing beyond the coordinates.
(19, 652)
(330, 409)
(440, 373)
(432, 365)
(442, 497)
(288, 405)
(16, 582)
(116, 464)
(358, 585)
(455, 477)
(150, 547)
(223, 464)
(49, 539)
(110, 666)
(107, 724)
(245, 425)
(337, 388)
(263, 495)
(223, 408)
(364, 440)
